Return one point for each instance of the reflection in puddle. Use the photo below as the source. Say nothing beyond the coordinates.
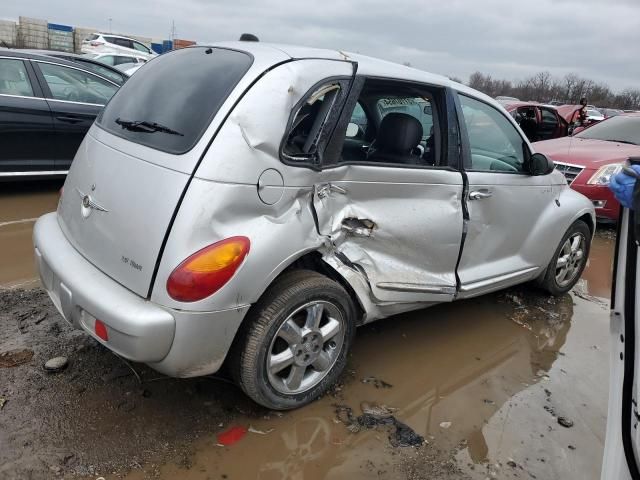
(20, 205)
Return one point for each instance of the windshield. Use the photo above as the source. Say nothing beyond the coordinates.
(181, 91)
(622, 128)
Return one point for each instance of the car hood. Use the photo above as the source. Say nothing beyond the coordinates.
(587, 152)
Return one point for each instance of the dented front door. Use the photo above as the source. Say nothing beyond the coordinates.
(400, 227)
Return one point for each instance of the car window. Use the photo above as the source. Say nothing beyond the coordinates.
(108, 59)
(549, 119)
(110, 39)
(140, 47)
(104, 71)
(75, 85)
(621, 129)
(308, 122)
(495, 143)
(392, 123)
(123, 42)
(91, 37)
(120, 60)
(14, 79)
(207, 76)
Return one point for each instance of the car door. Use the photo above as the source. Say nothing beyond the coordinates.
(26, 126)
(620, 460)
(505, 203)
(75, 98)
(397, 220)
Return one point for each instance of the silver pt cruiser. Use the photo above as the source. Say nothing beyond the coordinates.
(252, 204)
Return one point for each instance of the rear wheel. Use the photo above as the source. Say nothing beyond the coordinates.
(568, 261)
(295, 342)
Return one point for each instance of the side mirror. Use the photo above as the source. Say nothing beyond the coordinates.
(540, 164)
(352, 130)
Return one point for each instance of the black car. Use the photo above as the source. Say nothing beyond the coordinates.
(47, 104)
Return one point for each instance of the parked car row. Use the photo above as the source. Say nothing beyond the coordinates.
(99, 43)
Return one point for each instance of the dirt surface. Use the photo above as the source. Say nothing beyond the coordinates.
(509, 385)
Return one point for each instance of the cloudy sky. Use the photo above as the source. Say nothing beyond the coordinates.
(598, 39)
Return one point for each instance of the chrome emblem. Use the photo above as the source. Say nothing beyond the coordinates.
(89, 204)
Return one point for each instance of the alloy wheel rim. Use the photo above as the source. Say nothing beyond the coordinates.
(305, 347)
(570, 259)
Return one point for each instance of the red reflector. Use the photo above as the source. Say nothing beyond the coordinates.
(101, 330)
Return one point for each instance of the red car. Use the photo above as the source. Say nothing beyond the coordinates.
(589, 158)
(540, 122)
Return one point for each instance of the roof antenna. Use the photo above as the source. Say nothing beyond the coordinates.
(248, 37)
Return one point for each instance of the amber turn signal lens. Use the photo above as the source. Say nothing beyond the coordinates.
(207, 270)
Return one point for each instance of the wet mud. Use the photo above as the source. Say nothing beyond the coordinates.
(470, 390)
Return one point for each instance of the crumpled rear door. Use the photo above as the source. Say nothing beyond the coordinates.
(399, 227)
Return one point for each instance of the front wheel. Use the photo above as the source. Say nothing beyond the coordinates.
(295, 342)
(568, 261)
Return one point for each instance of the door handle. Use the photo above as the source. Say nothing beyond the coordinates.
(69, 119)
(480, 194)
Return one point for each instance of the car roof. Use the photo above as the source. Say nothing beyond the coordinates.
(56, 57)
(110, 54)
(369, 66)
(514, 105)
(115, 36)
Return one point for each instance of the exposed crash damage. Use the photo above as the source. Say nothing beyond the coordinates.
(312, 193)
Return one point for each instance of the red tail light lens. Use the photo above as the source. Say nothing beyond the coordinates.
(101, 330)
(207, 270)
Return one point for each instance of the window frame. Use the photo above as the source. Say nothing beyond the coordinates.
(146, 49)
(31, 78)
(444, 126)
(314, 160)
(47, 91)
(466, 144)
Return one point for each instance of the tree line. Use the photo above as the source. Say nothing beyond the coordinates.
(543, 87)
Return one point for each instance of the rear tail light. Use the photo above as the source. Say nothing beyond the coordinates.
(207, 270)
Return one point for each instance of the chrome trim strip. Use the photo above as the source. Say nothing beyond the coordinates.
(494, 280)
(21, 96)
(76, 103)
(569, 164)
(416, 287)
(34, 173)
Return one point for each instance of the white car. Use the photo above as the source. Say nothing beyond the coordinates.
(107, 43)
(115, 59)
(594, 115)
(129, 68)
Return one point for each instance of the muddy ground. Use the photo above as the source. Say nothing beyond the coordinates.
(510, 385)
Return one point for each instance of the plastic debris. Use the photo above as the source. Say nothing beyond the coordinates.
(445, 425)
(231, 436)
(260, 432)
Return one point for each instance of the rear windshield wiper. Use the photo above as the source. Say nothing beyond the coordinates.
(144, 126)
(621, 141)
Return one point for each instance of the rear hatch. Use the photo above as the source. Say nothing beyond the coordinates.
(127, 178)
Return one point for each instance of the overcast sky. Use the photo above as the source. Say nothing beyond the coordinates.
(598, 39)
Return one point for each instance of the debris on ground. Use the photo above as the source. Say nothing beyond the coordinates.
(259, 432)
(376, 382)
(56, 364)
(2, 402)
(445, 425)
(565, 422)
(231, 436)
(400, 434)
(14, 358)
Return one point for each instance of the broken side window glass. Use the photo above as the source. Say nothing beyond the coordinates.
(308, 122)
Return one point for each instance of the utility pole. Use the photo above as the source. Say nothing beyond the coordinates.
(173, 30)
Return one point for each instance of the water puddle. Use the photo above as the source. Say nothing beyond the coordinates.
(20, 206)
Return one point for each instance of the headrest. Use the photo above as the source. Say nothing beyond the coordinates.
(399, 133)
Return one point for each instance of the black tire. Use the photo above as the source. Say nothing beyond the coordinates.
(255, 340)
(548, 280)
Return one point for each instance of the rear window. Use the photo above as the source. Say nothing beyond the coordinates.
(181, 90)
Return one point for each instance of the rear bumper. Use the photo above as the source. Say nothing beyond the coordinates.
(606, 206)
(177, 343)
(137, 329)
